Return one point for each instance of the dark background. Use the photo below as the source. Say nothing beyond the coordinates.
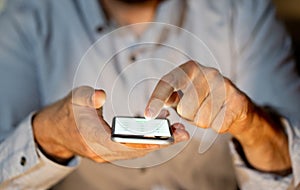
(289, 12)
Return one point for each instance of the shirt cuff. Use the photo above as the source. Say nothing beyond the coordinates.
(249, 178)
(18, 151)
(23, 163)
(71, 164)
(292, 129)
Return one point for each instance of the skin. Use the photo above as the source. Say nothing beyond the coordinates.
(210, 100)
(75, 126)
(264, 142)
(61, 135)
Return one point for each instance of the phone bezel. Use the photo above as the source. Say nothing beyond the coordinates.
(141, 139)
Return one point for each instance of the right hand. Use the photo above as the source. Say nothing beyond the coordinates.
(73, 126)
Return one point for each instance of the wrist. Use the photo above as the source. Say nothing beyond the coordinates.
(59, 160)
(265, 143)
(262, 123)
(240, 151)
(249, 130)
(46, 142)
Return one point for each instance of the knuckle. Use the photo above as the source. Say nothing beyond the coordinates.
(201, 122)
(67, 106)
(81, 90)
(179, 109)
(198, 119)
(194, 69)
(223, 129)
(242, 97)
(229, 84)
(237, 97)
(229, 87)
(213, 78)
(85, 87)
(82, 95)
(169, 79)
(192, 64)
(225, 126)
(177, 79)
(212, 73)
(183, 111)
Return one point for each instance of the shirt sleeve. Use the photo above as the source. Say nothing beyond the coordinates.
(21, 163)
(250, 178)
(266, 71)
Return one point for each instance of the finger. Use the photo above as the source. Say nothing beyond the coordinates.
(179, 133)
(222, 122)
(178, 126)
(203, 116)
(125, 155)
(203, 83)
(189, 103)
(92, 128)
(212, 104)
(142, 146)
(183, 75)
(118, 155)
(177, 79)
(87, 96)
(208, 111)
(163, 114)
(227, 115)
(174, 99)
(98, 98)
(160, 95)
(237, 109)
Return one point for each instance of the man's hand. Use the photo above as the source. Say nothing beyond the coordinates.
(75, 126)
(204, 97)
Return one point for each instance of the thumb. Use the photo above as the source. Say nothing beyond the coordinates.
(98, 98)
(89, 97)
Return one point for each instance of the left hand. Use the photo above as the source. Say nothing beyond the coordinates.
(74, 125)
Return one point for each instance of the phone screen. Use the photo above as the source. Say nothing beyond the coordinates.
(141, 130)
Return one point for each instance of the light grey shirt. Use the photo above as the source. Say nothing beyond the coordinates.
(45, 51)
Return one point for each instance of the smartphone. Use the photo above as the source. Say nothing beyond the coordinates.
(141, 130)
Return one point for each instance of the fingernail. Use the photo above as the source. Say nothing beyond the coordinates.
(98, 98)
(178, 126)
(148, 114)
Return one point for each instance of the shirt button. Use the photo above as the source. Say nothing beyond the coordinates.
(99, 29)
(23, 161)
(133, 58)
